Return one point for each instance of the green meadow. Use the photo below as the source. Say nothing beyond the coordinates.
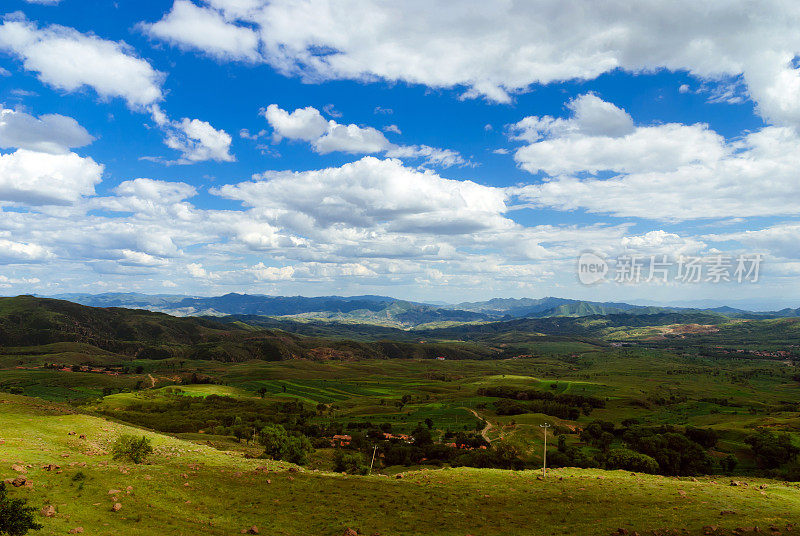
(189, 488)
(204, 393)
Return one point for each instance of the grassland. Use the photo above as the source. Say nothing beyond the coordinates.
(665, 374)
(733, 397)
(190, 488)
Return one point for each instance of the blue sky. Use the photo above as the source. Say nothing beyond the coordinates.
(430, 151)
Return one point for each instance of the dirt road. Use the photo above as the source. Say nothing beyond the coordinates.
(485, 431)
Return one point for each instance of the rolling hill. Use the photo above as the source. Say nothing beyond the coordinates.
(30, 322)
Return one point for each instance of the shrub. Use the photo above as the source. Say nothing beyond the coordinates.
(16, 518)
(772, 450)
(132, 448)
(790, 472)
(675, 453)
(351, 463)
(728, 464)
(706, 437)
(630, 460)
(279, 445)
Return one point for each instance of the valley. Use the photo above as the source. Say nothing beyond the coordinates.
(684, 414)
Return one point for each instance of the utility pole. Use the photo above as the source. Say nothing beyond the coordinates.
(373, 458)
(545, 426)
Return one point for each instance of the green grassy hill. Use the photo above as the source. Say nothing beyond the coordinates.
(190, 488)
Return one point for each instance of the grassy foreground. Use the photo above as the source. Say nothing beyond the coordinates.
(189, 488)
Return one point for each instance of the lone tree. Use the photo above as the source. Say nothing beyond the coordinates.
(135, 449)
(16, 518)
(279, 445)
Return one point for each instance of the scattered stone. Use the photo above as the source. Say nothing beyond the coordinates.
(51, 467)
(48, 511)
(71, 433)
(399, 475)
(727, 513)
(349, 532)
(114, 492)
(19, 468)
(76, 530)
(294, 469)
(117, 507)
(19, 481)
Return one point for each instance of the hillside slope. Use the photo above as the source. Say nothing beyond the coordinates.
(33, 323)
(27, 321)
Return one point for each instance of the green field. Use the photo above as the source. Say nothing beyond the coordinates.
(189, 488)
(654, 387)
(464, 432)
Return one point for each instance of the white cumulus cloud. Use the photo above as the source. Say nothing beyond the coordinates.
(41, 178)
(370, 192)
(52, 133)
(205, 29)
(67, 59)
(326, 136)
(497, 49)
(601, 137)
(664, 172)
(199, 141)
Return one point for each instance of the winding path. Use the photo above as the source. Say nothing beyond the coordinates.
(489, 426)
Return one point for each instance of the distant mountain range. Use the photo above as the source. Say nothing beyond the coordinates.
(387, 311)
